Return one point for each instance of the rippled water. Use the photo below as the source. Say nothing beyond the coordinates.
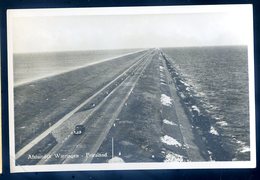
(219, 76)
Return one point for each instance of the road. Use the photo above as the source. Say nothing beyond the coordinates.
(137, 107)
(40, 104)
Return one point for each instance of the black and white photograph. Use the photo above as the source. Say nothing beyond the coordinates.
(168, 87)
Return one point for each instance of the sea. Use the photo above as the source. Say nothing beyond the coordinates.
(29, 67)
(218, 77)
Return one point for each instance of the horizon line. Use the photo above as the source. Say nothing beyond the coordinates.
(61, 51)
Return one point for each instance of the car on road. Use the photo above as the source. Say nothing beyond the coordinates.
(79, 129)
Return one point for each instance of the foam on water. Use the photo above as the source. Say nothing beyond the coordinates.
(165, 121)
(213, 131)
(166, 100)
(172, 157)
(161, 68)
(170, 141)
(213, 81)
(222, 123)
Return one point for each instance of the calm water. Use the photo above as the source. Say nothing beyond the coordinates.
(219, 79)
(29, 67)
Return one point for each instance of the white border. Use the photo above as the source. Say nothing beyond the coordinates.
(131, 11)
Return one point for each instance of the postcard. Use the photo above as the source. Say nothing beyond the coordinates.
(126, 88)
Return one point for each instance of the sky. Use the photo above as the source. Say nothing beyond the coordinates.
(93, 32)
